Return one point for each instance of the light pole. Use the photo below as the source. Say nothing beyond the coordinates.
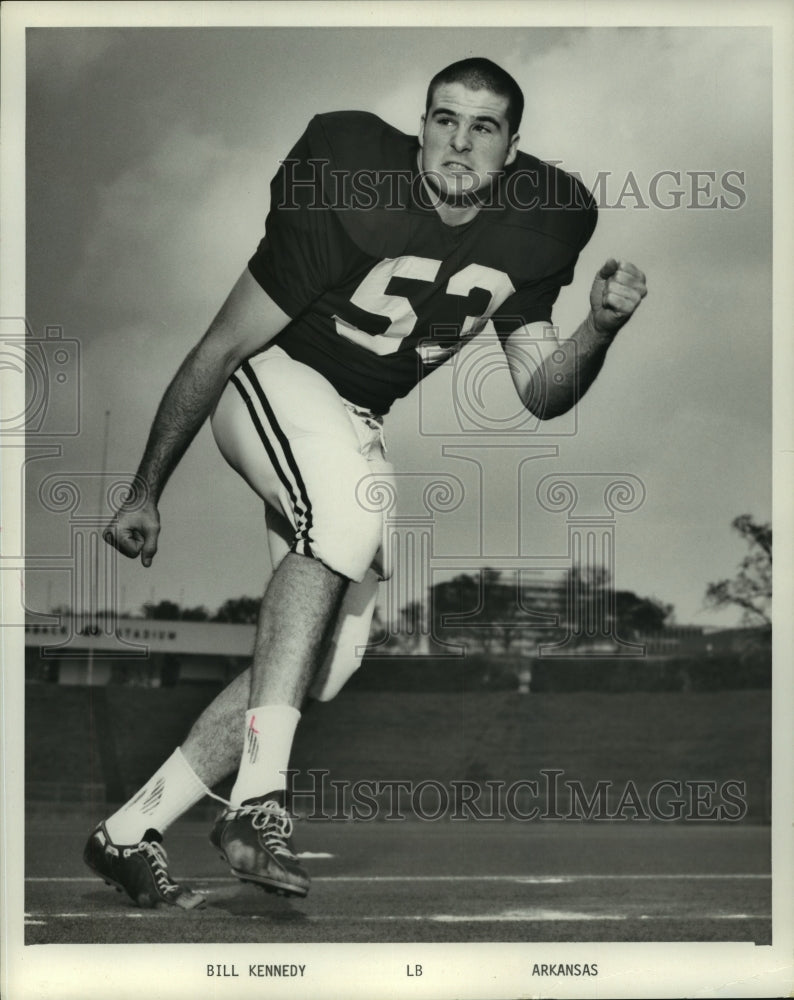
(100, 506)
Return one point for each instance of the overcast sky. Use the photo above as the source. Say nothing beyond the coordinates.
(149, 155)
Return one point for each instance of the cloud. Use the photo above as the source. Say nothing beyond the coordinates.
(59, 58)
(670, 96)
(169, 238)
(174, 230)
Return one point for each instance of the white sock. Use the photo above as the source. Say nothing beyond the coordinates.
(169, 792)
(269, 732)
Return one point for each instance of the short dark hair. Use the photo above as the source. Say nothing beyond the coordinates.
(482, 74)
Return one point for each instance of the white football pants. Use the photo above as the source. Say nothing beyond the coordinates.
(319, 464)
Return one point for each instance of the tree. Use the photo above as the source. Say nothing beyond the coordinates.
(197, 614)
(411, 619)
(240, 610)
(492, 611)
(476, 610)
(751, 588)
(162, 611)
(632, 615)
(170, 611)
(639, 616)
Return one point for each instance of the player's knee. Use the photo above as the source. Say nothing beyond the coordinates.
(328, 685)
(350, 545)
(349, 640)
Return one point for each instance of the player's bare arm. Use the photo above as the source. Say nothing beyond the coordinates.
(246, 322)
(552, 387)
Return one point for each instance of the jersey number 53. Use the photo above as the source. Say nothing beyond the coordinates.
(396, 299)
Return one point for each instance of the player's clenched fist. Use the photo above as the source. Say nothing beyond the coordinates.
(618, 289)
(134, 531)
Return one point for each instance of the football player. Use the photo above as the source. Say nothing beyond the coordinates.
(382, 256)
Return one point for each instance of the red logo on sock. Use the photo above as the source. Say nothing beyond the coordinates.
(251, 725)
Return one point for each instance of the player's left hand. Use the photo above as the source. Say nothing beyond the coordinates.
(618, 289)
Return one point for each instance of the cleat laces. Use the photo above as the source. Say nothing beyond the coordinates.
(274, 826)
(157, 861)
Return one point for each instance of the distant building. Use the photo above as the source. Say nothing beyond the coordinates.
(140, 651)
(154, 653)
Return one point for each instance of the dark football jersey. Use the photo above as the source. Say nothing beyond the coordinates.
(379, 290)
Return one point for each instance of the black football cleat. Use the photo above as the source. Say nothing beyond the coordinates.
(255, 840)
(140, 870)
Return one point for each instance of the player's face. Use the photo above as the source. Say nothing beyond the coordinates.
(465, 139)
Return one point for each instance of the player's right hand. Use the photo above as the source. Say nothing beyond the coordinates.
(134, 532)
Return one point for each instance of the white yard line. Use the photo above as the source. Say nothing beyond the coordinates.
(520, 879)
(508, 916)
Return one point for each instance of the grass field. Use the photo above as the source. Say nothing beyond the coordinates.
(481, 736)
(542, 880)
(430, 882)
